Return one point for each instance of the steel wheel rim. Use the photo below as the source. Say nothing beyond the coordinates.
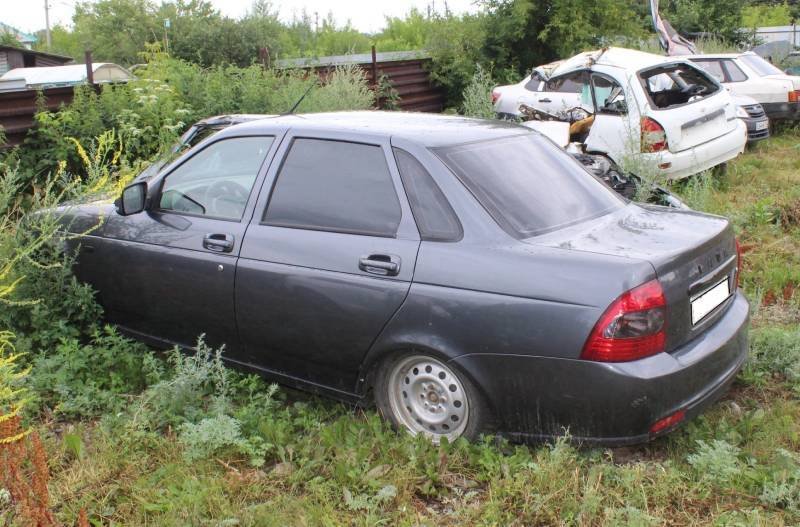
(428, 398)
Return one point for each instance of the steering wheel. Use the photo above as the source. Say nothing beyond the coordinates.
(226, 198)
(577, 113)
(694, 89)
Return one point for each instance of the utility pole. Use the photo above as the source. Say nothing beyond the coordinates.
(47, 24)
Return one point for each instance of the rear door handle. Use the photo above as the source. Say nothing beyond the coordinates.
(380, 264)
(545, 100)
(221, 243)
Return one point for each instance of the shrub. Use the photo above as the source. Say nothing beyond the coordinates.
(86, 380)
(716, 462)
(774, 351)
(220, 433)
(478, 95)
(199, 386)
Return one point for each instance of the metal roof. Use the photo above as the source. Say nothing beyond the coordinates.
(22, 37)
(54, 76)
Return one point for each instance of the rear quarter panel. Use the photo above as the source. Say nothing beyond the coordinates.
(507, 300)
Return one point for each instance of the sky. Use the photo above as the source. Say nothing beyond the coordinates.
(367, 16)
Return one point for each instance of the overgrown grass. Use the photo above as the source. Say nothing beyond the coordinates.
(140, 438)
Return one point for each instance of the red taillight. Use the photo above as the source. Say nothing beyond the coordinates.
(633, 327)
(654, 138)
(495, 96)
(668, 422)
(794, 96)
(738, 264)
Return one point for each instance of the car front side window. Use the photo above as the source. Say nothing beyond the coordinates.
(217, 181)
(608, 96)
(336, 186)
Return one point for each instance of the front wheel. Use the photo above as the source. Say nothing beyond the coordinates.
(422, 395)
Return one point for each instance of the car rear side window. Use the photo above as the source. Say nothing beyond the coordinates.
(335, 186)
(433, 214)
(712, 66)
(529, 185)
(735, 73)
(569, 83)
(534, 82)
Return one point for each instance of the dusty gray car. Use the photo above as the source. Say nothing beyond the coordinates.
(466, 275)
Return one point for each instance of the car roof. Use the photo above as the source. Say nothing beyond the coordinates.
(629, 59)
(719, 55)
(428, 129)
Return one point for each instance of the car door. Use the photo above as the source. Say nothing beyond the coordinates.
(174, 264)
(730, 75)
(327, 260)
(615, 130)
(527, 92)
(563, 92)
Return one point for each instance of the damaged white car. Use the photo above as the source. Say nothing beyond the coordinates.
(661, 114)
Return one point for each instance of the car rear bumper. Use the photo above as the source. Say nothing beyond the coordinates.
(678, 165)
(537, 398)
(782, 110)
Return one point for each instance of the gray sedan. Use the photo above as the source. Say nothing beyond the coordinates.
(467, 276)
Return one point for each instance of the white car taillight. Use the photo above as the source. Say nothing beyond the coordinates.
(654, 138)
(495, 96)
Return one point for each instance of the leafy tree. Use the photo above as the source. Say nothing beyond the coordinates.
(8, 39)
(116, 30)
(766, 15)
(709, 17)
(64, 42)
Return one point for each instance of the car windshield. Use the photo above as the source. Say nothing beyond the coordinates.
(529, 185)
(189, 139)
(760, 66)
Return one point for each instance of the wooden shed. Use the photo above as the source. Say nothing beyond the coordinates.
(12, 58)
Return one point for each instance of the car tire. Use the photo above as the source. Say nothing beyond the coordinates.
(422, 394)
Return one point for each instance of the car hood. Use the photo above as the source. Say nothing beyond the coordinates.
(84, 216)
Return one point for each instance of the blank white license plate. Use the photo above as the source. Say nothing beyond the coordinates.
(763, 125)
(706, 302)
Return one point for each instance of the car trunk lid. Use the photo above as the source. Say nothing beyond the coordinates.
(697, 122)
(690, 253)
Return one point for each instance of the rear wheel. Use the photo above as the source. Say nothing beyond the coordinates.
(421, 394)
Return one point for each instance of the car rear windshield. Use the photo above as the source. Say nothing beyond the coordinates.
(529, 185)
(676, 84)
(760, 66)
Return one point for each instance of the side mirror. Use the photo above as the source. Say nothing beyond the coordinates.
(133, 199)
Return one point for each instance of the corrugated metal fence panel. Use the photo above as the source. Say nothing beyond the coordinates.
(17, 109)
(409, 78)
